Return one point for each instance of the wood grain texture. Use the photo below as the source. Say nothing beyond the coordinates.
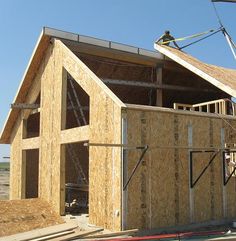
(104, 162)
(165, 171)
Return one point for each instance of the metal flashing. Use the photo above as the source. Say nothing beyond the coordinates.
(125, 48)
(60, 34)
(93, 41)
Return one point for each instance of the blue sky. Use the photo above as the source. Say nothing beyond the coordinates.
(133, 22)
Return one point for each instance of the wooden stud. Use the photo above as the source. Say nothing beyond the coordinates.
(159, 93)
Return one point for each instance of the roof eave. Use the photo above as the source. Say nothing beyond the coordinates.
(33, 65)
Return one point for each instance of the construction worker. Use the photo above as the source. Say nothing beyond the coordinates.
(167, 37)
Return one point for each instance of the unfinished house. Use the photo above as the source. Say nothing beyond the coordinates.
(140, 139)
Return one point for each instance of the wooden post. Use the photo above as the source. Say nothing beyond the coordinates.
(23, 175)
(63, 147)
(159, 93)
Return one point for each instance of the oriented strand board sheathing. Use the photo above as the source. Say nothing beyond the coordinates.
(230, 137)
(16, 171)
(167, 169)
(16, 164)
(51, 169)
(104, 164)
(18, 216)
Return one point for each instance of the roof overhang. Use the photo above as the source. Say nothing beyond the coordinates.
(222, 78)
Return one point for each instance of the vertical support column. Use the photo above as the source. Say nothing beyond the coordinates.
(159, 93)
(23, 175)
(63, 147)
(191, 190)
(23, 157)
(124, 172)
(224, 191)
(24, 128)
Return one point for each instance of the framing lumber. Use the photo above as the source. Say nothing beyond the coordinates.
(114, 234)
(170, 110)
(24, 106)
(31, 143)
(39, 233)
(73, 135)
(157, 85)
(159, 92)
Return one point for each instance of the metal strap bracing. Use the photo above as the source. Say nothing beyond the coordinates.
(192, 182)
(136, 166)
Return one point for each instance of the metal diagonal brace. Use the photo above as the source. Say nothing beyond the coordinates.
(145, 148)
(193, 183)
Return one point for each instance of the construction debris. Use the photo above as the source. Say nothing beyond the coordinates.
(18, 216)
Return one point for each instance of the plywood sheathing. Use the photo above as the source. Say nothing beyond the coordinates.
(16, 135)
(105, 126)
(23, 215)
(230, 137)
(51, 169)
(158, 195)
(222, 78)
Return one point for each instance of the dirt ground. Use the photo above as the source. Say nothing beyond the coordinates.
(4, 184)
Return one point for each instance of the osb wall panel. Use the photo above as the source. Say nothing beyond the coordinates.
(104, 162)
(17, 166)
(230, 137)
(16, 163)
(159, 193)
(51, 169)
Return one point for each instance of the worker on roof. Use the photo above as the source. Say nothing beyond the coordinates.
(165, 38)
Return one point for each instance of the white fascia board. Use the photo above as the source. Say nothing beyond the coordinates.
(60, 34)
(93, 41)
(197, 71)
(123, 47)
(152, 54)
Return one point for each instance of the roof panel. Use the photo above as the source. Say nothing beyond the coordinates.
(222, 78)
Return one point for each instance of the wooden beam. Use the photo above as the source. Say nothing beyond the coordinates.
(154, 85)
(129, 83)
(64, 99)
(24, 106)
(23, 174)
(73, 135)
(159, 92)
(31, 143)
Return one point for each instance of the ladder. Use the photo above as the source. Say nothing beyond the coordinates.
(82, 179)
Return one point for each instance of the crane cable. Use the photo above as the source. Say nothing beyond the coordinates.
(216, 31)
(225, 33)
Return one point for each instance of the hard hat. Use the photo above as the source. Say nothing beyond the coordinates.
(167, 31)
